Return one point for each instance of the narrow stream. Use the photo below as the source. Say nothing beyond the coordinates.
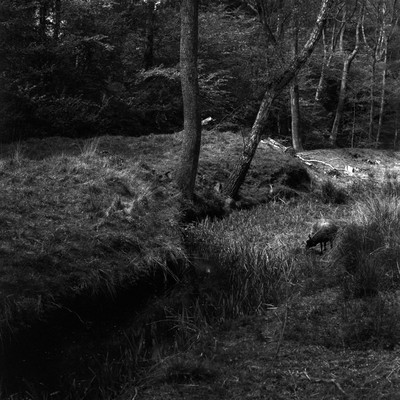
(81, 351)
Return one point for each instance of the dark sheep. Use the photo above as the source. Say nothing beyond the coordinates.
(322, 232)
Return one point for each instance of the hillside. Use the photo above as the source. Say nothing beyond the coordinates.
(86, 220)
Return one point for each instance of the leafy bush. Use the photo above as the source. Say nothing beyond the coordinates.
(157, 99)
(69, 116)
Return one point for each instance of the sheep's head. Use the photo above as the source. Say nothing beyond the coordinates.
(310, 242)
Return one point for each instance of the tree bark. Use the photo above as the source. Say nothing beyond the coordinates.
(239, 172)
(187, 168)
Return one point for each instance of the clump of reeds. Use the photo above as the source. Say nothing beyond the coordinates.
(366, 261)
(368, 249)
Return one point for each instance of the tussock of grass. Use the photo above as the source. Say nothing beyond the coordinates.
(368, 249)
(365, 262)
(331, 194)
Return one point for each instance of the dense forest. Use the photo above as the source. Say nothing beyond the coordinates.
(154, 244)
(84, 68)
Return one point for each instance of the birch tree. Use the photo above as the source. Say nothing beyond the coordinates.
(348, 59)
(297, 141)
(273, 90)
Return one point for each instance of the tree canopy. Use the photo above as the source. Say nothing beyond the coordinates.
(82, 68)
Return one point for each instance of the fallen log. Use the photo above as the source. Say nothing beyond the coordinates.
(273, 144)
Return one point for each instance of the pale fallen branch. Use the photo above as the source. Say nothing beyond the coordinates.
(315, 161)
(273, 144)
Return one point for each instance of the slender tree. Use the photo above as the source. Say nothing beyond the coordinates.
(274, 89)
(372, 45)
(389, 18)
(187, 168)
(348, 59)
(57, 19)
(297, 141)
(150, 27)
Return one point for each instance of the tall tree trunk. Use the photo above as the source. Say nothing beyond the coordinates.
(372, 100)
(239, 172)
(374, 51)
(324, 66)
(294, 89)
(43, 9)
(57, 19)
(396, 130)
(383, 91)
(353, 128)
(148, 56)
(341, 101)
(297, 139)
(343, 85)
(187, 168)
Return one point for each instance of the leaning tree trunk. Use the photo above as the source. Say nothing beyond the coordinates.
(325, 60)
(187, 168)
(239, 172)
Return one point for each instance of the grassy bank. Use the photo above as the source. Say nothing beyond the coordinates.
(76, 225)
(84, 221)
(88, 219)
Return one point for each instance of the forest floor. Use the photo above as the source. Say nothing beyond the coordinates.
(72, 211)
(244, 362)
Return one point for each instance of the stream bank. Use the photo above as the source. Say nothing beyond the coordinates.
(88, 347)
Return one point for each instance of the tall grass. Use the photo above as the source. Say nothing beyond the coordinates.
(366, 260)
(368, 250)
